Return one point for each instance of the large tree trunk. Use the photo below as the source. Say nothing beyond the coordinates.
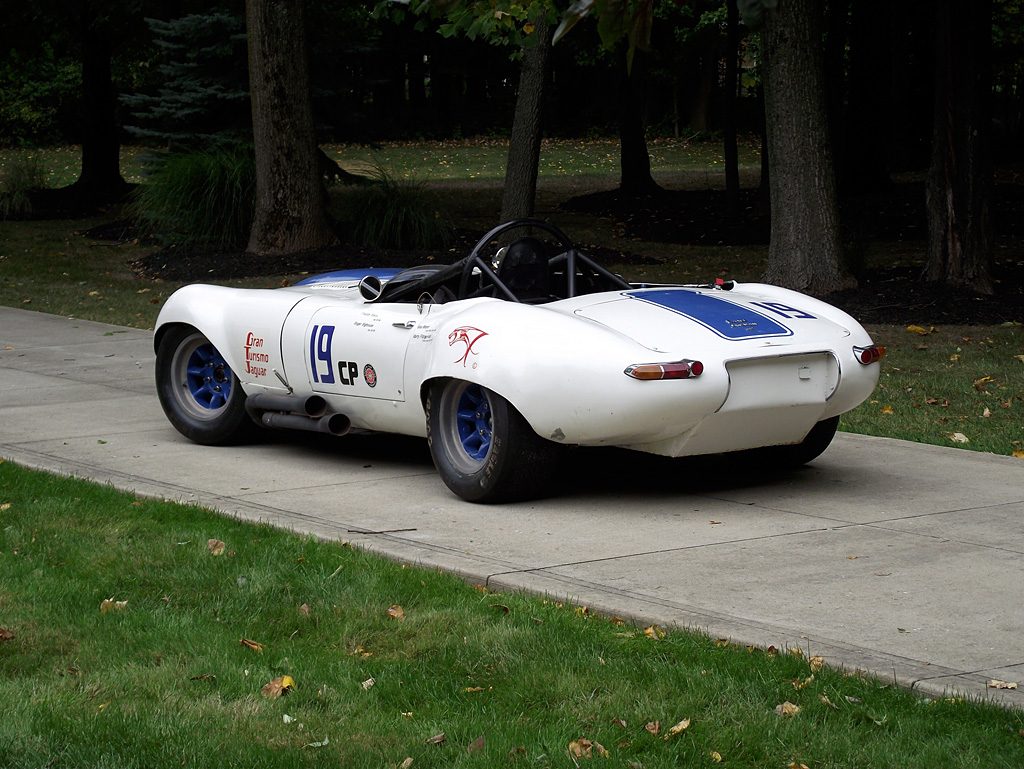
(101, 178)
(960, 176)
(290, 215)
(519, 196)
(804, 253)
(732, 55)
(635, 163)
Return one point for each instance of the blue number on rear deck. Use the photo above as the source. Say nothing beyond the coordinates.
(320, 352)
(784, 310)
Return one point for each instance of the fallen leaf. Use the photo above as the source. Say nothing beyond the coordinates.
(936, 402)
(368, 683)
(654, 727)
(501, 607)
(277, 687)
(476, 745)
(795, 765)
(715, 756)
(216, 546)
(679, 728)
(654, 632)
(322, 744)
(995, 684)
(406, 764)
(437, 739)
(787, 709)
(887, 410)
(619, 722)
(828, 702)
(5, 506)
(817, 663)
(920, 330)
(396, 612)
(305, 609)
(6, 635)
(1019, 453)
(986, 412)
(471, 689)
(254, 645)
(798, 684)
(110, 604)
(959, 438)
(1019, 357)
(584, 748)
(204, 677)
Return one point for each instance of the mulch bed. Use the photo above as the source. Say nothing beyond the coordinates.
(895, 295)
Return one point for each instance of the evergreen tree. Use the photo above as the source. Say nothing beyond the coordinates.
(203, 100)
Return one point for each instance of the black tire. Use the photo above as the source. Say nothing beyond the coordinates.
(817, 440)
(198, 391)
(483, 449)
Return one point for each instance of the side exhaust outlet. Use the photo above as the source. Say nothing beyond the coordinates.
(333, 424)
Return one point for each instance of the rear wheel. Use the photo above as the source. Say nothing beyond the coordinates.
(817, 440)
(484, 450)
(198, 391)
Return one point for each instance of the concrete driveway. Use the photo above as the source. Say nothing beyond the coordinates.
(898, 558)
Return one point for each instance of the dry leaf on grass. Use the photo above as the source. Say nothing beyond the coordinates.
(277, 687)
(654, 632)
(111, 605)
(654, 727)
(254, 645)
(679, 728)
(437, 739)
(476, 745)
(368, 683)
(305, 609)
(787, 709)
(6, 635)
(215, 546)
(396, 612)
(584, 748)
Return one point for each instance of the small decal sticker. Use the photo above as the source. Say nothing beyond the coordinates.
(469, 336)
(370, 375)
(256, 360)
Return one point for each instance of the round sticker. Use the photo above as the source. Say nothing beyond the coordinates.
(370, 375)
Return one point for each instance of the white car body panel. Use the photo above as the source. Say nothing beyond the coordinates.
(776, 362)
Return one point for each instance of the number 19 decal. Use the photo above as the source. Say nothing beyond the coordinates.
(320, 353)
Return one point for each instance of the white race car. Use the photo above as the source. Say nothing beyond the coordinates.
(503, 362)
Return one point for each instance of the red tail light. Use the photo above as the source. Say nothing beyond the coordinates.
(684, 369)
(868, 355)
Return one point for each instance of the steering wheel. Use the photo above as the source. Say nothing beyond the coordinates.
(487, 274)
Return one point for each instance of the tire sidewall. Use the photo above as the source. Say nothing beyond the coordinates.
(228, 424)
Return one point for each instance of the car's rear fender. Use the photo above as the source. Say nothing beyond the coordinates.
(564, 374)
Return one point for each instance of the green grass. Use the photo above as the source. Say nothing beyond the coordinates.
(949, 384)
(165, 682)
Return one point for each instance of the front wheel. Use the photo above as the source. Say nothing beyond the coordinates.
(484, 450)
(198, 391)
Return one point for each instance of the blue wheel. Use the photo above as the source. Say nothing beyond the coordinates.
(484, 450)
(198, 390)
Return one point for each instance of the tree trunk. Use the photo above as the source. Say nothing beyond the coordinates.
(635, 163)
(804, 253)
(732, 54)
(960, 177)
(864, 167)
(290, 214)
(101, 178)
(520, 193)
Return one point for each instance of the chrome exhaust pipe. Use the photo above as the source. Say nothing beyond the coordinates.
(307, 405)
(334, 424)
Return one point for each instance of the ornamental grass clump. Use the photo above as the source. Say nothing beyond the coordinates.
(396, 213)
(199, 199)
(21, 177)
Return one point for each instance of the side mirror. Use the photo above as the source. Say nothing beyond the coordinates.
(370, 288)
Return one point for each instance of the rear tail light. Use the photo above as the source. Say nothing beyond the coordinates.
(684, 369)
(867, 355)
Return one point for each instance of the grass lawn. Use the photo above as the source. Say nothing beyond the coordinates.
(389, 662)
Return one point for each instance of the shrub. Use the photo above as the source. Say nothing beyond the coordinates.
(199, 199)
(396, 213)
(21, 177)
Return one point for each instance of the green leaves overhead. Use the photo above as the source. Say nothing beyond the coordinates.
(617, 20)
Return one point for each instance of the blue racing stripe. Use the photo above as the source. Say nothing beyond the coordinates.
(727, 319)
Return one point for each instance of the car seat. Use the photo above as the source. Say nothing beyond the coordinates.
(524, 270)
